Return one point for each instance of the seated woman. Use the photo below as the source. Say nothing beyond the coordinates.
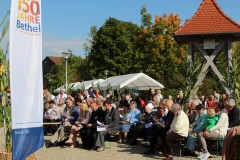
(155, 131)
(217, 131)
(147, 121)
(82, 120)
(132, 116)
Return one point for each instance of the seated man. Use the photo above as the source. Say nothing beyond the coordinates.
(110, 124)
(70, 116)
(178, 129)
(51, 115)
(198, 127)
(191, 112)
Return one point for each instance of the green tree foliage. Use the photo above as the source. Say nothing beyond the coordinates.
(88, 45)
(236, 72)
(123, 48)
(113, 49)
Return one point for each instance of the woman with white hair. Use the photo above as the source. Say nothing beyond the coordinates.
(233, 113)
(217, 131)
(126, 122)
(147, 122)
(158, 131)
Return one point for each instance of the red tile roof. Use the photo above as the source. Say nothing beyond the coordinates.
(209, 19)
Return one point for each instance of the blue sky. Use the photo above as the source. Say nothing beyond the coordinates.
(66, 23)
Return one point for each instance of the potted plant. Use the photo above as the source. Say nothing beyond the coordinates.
(4, 84)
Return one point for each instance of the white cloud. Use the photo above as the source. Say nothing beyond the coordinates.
(53, 46)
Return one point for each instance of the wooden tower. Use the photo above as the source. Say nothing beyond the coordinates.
(210, 31)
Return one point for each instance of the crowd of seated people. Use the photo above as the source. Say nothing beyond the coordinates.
(158, 123)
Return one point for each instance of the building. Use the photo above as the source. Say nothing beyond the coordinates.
(48, 64)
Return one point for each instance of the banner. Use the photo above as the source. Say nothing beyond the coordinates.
(26, 77)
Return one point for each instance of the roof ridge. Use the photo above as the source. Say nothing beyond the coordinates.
(199, 13)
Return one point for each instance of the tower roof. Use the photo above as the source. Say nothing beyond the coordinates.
(209, 20)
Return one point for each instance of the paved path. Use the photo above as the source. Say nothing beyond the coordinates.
(117, 152)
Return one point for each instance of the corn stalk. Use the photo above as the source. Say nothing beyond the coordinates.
(83, 87)
(193, 70)
(236, 73)
(109, 87)
(4, 84)
(119, 92)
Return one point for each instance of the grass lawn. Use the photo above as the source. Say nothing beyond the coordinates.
(8, 109)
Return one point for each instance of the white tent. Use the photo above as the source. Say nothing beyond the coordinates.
(87, 84)
(137, 80)
(70, 85)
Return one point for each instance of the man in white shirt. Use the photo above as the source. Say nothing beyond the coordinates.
(159, 95)
(178, 129)
(51, 115)
(62, 95)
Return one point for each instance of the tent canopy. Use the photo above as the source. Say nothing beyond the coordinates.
(79, 85)
(70, 85)
(136, 80)
(87, 84)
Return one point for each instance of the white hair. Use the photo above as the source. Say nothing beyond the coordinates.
(195, 102)
(149, 106)
(176, 107)
(231, 103)
(189, 100)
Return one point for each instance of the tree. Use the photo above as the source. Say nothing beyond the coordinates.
(159, 55)
(88, 45)
(57, 77)
(113, 49)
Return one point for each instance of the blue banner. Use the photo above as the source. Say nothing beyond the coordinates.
(24, 141)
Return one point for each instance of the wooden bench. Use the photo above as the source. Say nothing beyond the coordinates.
(57, 124)
(218, 141)
(180, 142)
(50, 123)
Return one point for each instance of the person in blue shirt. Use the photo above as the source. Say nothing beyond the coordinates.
(197, 127)
(132, 116)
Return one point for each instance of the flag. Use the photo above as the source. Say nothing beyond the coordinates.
(25, 57)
